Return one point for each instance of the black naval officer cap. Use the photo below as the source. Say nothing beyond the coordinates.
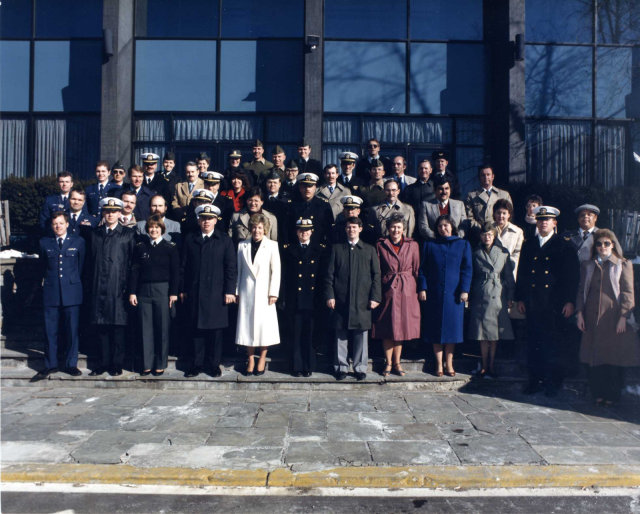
(439, 154)
(169, 156)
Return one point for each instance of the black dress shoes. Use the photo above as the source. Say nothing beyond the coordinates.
(157, 372)
(96, 372)
(73, 371)
(257, 373)
(341, 375)
(194, 372)
(360, 375)
(145, 373)
(41, 375)
(115, 372)
(297, 374)
(306, 374)
(216, 372)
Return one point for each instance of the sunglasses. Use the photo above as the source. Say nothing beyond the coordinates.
(372, 146)
(606, 244)
(118, 172)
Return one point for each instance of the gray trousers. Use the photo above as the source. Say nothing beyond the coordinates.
(360, 340)
(153, 313)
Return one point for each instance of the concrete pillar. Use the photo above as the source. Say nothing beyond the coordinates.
(313, 77)
(117, 83)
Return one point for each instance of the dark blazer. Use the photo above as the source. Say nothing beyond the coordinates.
(93, 196)
(78, 228)
(317, 210)
(225, 204)
(310, 166)
(110, 264)
(208, 271)
(142, 210)
(301, 269)
(353, 280)
(416, 193)
(363, 165)
(355, 184)
(371, 230)
(52, 203)
(62, 270)
(159, 186)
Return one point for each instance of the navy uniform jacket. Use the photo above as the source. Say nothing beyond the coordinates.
(318, 211)
(548, 276)
(371, 230)
(62, 271)
(301, 269)
(310, 166)
(77, 228)
(93, 196)
(355, 184)
(143, 197)
(363, 165)
(416, 193)
(52, 203)
(171, 179)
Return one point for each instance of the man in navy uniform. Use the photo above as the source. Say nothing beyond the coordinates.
(546, 289)
(440, 162)
(62, 257)
(208, 272)
(305, 163)
(373, 154)
(308, 206)
(57, 202)
(142, 192)
(170, 174)
(301, 266)
(80, 221)
(111, 250)
(101, 189)
(347, 176)
(212, 181)
(154, 181)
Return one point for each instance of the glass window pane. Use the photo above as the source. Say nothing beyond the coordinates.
(568, 21)
(14, 86)
(252, 80)
(177, 18)
(615, 96)
(68, 18)
(67, 76)
(187, 81)
(257, 18)
(364, 77)
(558, 80)
(365, 19)
(447, 78)
(444, 19)
(15, 18)
(13, 147)
(618, 21)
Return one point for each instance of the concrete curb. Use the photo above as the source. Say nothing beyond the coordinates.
(429, 477)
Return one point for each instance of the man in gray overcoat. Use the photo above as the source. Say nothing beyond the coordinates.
(352, 291)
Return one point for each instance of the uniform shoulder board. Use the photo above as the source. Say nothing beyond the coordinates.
(323, 199)
(288, 200)
(567, 238)
(172, 243)
(323, 245)
(286, 245)
(165, 177)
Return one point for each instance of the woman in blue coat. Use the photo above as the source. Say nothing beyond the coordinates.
(444, 283)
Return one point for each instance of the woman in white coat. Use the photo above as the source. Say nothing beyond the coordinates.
(257, 291)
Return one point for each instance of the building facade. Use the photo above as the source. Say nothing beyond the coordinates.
(548, 91)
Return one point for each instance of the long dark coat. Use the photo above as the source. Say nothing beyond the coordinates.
(398, 317)
(445, 273)
(301, 270)
(353, 280)
(110, 267)
(208, 271)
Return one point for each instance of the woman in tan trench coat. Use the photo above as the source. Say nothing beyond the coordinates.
(604, 305)
(398, 317)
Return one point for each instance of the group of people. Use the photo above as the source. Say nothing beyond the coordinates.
(289, 249)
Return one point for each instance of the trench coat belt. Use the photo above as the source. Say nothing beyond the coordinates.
(396, 275)
(489, 275)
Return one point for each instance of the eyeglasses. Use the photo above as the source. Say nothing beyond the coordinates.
(118, 172)
(372, 146)
(606, 244)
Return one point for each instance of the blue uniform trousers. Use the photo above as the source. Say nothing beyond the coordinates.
(70, 316)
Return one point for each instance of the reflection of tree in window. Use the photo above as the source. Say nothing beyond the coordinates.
(618, 21)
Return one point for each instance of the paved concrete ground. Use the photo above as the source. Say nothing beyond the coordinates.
(310, 430)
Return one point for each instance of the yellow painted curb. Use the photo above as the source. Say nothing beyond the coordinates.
(430, 477)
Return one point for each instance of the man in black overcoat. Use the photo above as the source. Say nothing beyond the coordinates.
(546, 288)
(208, 272)
(111, 249)
(352, 291)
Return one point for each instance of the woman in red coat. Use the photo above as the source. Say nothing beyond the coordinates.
(239, 185)
(399, 313)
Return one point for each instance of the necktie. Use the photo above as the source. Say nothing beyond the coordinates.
(108, 231)
(585, 236)
(190, 187)
(100, 190)
(304, 246)
(331, 189)
(154, 244)
(74, 217)
(204, 238)
(60, 243)
(346, 181)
